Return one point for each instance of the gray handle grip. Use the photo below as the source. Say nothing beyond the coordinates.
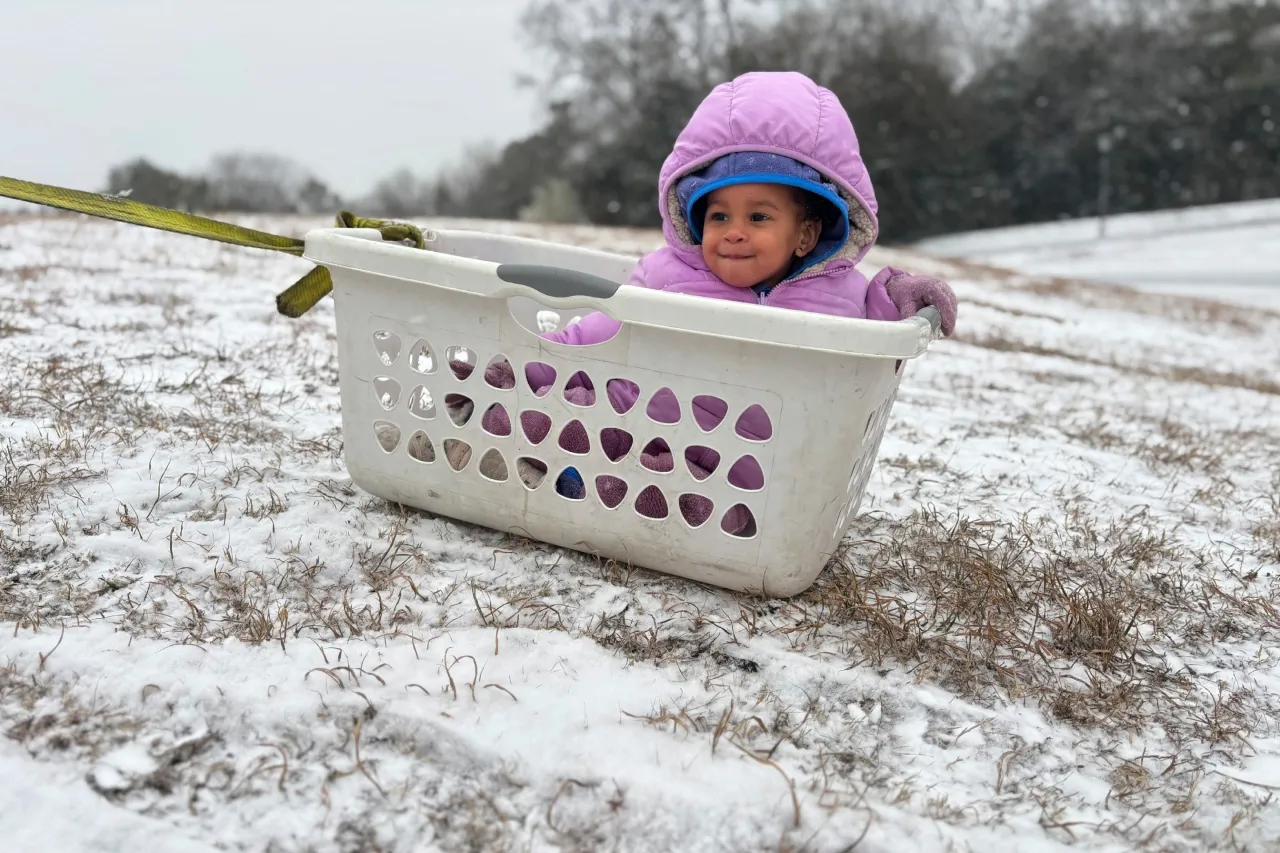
(931, 314)
(556, 282)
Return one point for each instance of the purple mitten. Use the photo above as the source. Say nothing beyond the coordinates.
(910, 293)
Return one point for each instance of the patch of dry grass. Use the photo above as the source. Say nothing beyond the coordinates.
(1077, 615)
(1172, 373)
(1193, 311)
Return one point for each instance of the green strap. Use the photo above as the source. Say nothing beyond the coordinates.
(297, 300)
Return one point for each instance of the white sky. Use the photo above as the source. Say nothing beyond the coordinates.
(352, 89)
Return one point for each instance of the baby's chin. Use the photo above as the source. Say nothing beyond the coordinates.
(738, 274)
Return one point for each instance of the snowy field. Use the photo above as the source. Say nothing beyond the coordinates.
(1225, 251)
(1054, 626)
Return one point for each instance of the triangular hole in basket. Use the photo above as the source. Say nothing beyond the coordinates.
(535, 425)
(746, 474)
(494, 466)
(496, 421)
(574, 439)
(460, 408)
(386, 391)
(739, 522)
(532, 472)
(623, 394)
(499, 374)
(387, 345)
(652, 503)
(709, 412)
(611, 490)
(421, 405)
(422, 359)
(458, 453)
(462, 361)
(664, 407)
(754, 424)
(702, 461)
(616, 443)
(570, 485)
(657, 456)
(580, 391)
(388, 435)
(420, 447)
(540, 377)
(695, 509)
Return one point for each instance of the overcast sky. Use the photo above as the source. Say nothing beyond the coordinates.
(351, 89)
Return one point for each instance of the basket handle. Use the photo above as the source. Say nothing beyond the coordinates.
(560, 283)
(931, 314)
(556, 282)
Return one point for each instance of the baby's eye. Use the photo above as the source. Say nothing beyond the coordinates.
(759, 217)
(719, 217)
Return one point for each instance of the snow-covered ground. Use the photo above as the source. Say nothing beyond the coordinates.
(1226, 251)
(1053, 627)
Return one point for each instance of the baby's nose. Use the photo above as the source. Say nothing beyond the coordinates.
(735, 235)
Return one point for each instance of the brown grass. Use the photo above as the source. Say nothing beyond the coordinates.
(1072, 614)
(1171, 373)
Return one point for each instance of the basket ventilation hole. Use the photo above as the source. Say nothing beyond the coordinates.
(540, 376)
(494, 466)
(496, 421)
(536, 426)
(754, 424)
(623, 394)
(616, 443)
(421, 405)
(574, 439)
(457, 452)
(739, 522)
(460, 408)
(421, 448)
(651, 503)
(664, 407)
(387, 345)
(611, 490)
(747, 474)
(656, 456)
(387, 392)
(695, 509)
(709, 412)
(499, 374)
(462, 361)
(388, 434)
(570, 485)
(531, 471)
(702, 461)
(421, 358)
(579, 391)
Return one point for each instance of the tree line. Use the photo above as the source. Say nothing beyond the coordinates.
(971, 114)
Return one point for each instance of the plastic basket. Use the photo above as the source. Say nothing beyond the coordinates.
(826, 385)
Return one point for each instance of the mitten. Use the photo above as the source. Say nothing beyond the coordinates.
(910, 293)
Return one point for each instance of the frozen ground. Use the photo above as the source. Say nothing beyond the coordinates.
(1226, 251)
(1054, 627)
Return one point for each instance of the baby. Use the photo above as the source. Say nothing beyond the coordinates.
(764, 199)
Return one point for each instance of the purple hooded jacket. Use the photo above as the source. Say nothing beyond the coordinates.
(774, 112)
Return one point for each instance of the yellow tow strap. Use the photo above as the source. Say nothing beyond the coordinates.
(298, 299)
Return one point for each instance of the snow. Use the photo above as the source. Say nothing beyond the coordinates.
(213, 640)
(1227, 251)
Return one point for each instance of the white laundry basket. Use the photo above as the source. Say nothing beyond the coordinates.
(826, 384)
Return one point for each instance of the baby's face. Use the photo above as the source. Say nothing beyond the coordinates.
(751, 232)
